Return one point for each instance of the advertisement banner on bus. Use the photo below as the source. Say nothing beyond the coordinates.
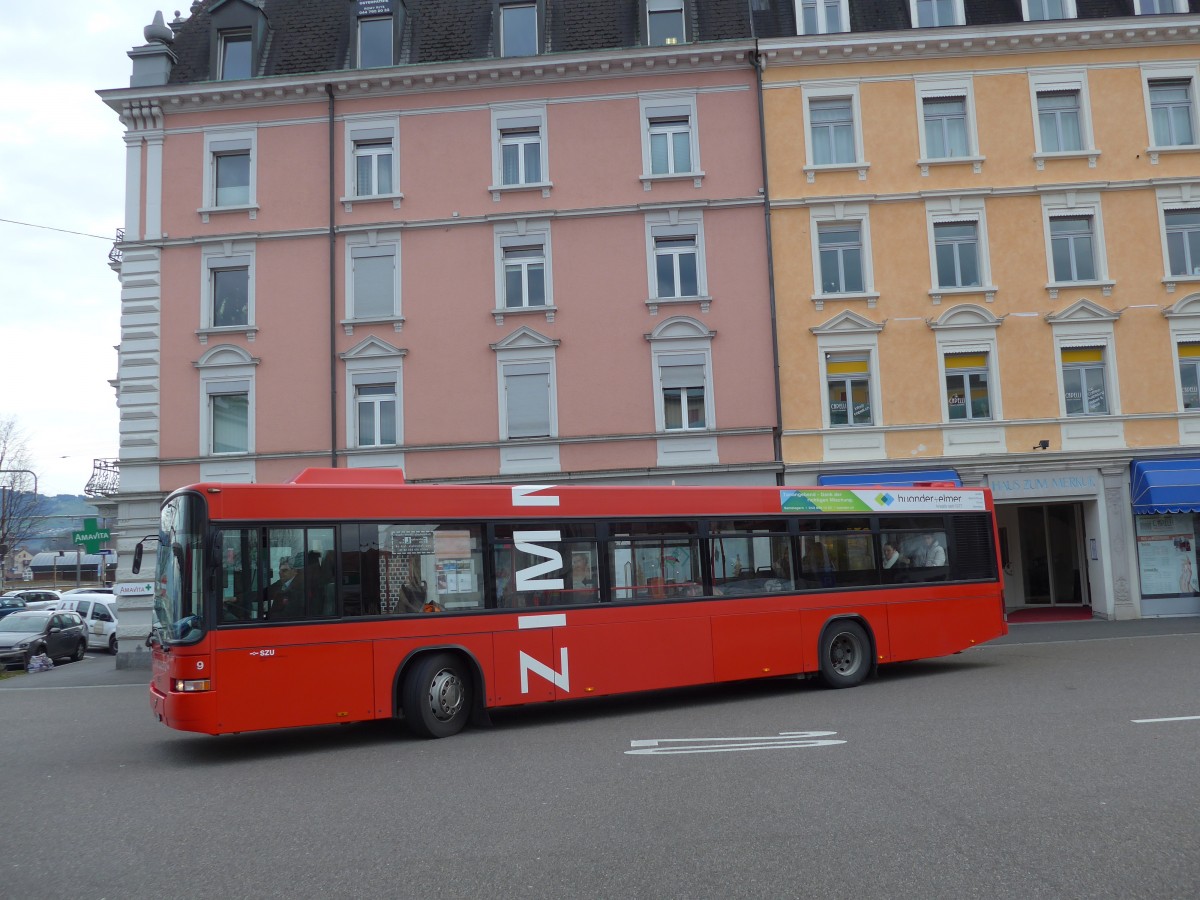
(880, 500)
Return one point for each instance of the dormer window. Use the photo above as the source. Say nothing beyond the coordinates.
(375, 42)
(664, 23)
(235, 54)
(518, 29)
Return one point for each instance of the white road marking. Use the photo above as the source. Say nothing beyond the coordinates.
(785, 740)
(1169, 719)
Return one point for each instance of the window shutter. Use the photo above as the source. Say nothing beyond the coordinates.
(527, 396)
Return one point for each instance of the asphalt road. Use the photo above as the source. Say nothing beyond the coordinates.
(1020, 769)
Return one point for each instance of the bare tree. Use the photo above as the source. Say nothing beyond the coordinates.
(19, 504)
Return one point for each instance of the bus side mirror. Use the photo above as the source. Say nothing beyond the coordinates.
(137, 557)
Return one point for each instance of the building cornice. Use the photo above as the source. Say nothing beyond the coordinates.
(423, 79)
(1020, 37)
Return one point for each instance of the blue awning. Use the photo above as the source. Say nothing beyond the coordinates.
(1164, 486)
(890, 479)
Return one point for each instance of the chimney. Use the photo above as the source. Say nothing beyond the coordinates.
(152, 62)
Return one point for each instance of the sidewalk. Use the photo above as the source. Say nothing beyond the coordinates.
(1097, 630)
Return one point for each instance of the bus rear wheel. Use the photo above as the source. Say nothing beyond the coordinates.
(844, 654)
(436, 697)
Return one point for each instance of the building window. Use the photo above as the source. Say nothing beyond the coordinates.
(226, 401)
(1158, 7)
(528, 392)
(375, 42)
(1048, 10)
(1085, 392)
(840, 250)
(374, 280)
(373, 161)
(230, 297)
(376, 406)
(848, 385)
(664, 25)
(670, 145)
(1189, 374)
(831, 123)
(524, 277)
(936, 13)
(230, 421)
(1183, 240)
(967, 394)
(683, 381)
(519, 147)
(956, 250)
(1058, 121)
(675, 266)
(945, 127)
(231, 176)
(822, 16)
(1172, 111)
(1073, 248)
(518, 29)
(236, 54)
(229, 181)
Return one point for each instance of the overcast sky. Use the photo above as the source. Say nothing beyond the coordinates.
(62, 165)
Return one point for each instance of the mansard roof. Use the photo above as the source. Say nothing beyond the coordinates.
(311, 36)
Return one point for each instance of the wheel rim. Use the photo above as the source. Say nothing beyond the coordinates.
(845, 655)
(446, 695)
(81, 651)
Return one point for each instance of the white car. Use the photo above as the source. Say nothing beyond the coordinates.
(99, 614)
(38, 598)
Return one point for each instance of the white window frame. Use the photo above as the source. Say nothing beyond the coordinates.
(511, 4)
(527, 362)
(1176, 198)
(836, 214)
(522, 233)
(373, 361)
(1069, 11)
(1106, 366)
(675, 223)
(969, 329)
(225, 370)
(1063, 81)
(215, 257)
(370, 130)
(218, 142)
(959, 209)
(372, 379)
(509, 118)
(1184, 319)
(391, 43)
(373, 243)
(947, 89)
(822, 20)
(661, 106)
(1081, 325)
(834, 91)
(1159, 72)
(666, 357)
(959, 16)
(1139, 8)
(1076, 205)
(667, 6)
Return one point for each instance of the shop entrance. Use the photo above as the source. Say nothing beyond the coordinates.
(1052, 566)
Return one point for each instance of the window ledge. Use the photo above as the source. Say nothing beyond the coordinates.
(819, 300)
(1171, 280)
(1090, 155)
(988, 291)
(975, 162)
(397, 323)
(348, 202)
(498, 189)
(206, 211)
(249, 331)
(648, 180)
(548, 311)
(655, 302)
(810, 172)
(1055, 286)
(1154, 152)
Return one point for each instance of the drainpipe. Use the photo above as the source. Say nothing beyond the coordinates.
(777, 432)
(333, 391)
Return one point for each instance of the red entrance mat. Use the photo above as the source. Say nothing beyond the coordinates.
(1050, 614)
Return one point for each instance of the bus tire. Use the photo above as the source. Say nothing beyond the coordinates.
(436, 696)
(845, 654)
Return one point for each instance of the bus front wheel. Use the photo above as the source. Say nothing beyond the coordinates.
(436, 697)
(845, 654)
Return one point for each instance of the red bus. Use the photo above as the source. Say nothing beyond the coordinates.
(348, 595)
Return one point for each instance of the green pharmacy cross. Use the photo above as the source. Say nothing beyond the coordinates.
(91, 537)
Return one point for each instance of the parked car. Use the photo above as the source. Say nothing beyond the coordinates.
(25, 634)
(37, 599)
(89, 590)
(10, 605)
(99, 614)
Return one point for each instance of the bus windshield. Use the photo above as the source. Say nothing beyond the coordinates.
(178, 598)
